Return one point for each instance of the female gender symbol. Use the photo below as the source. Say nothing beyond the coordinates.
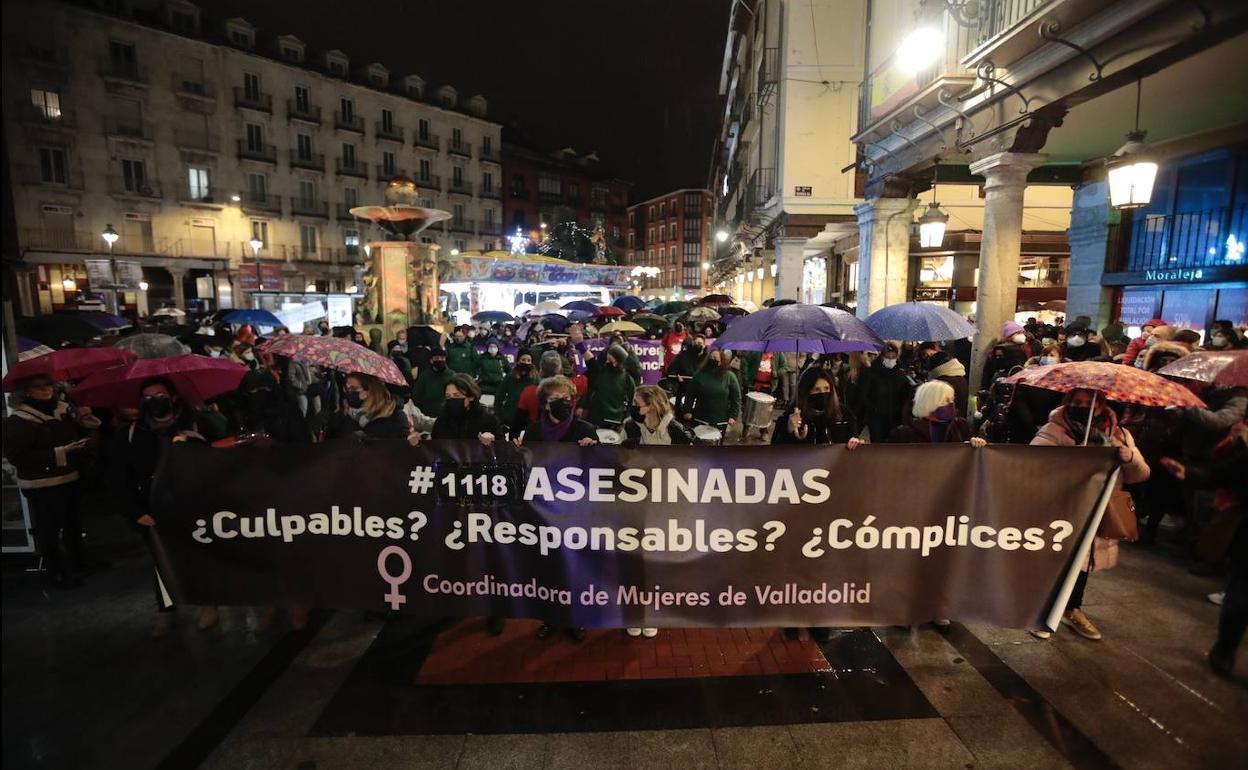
(395, 598)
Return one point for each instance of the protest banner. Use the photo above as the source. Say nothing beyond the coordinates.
(607, 536)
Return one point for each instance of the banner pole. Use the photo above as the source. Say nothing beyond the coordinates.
(1081, 557)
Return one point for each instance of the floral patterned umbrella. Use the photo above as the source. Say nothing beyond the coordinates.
(1115, 381)
(1228, 368)
(335, 353)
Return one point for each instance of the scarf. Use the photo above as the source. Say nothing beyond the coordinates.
(659, 435)
(554, 431)
(951, 368)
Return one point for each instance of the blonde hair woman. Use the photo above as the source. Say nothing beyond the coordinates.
(372, 409)
(651, 421)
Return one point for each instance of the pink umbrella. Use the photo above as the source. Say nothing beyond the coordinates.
(1228, 368)
(335, 353)
(608, 311)
(197, 379)
(66, 364)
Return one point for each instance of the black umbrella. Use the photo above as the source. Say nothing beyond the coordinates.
(58, 329)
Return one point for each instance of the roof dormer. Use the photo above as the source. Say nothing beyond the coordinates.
(291, 49)
(445, 96)
(377, 75)
(337, 63)
(241, 33)
(182, 16)
(476, 105)
(414, 86)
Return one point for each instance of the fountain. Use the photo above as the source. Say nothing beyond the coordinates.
(401, 283)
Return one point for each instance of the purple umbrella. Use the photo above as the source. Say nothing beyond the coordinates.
(799, 329)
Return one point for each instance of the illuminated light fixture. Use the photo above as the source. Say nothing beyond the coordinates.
(454, 252)
(760, 274)
(543, 225)
(310, 288)
(1131, 170)
(236, 197)
(920, 50)
(368, 250)
(774, 269)
(256, 244)
(517, 243)
(69, 284)
(706, 265)
(932, 226)
(721, 236)
(352, 289)
(144, 285)
(1234, 249)
(110, 236)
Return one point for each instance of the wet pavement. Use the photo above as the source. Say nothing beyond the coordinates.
(84, 686)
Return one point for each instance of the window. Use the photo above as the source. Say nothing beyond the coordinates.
(350, 197)
(487, 145)
(548, 185)
(351, 239)
(133, 175)
(461, 245)
(303, 99)
(662, 210)
(336, 67)
(260, 231)
(630, 240)
(348, 155)
(52, 165)
(255, 137)
(303, 146)
(123, 58)
(457, 175)
(197, 184)
(650, 235)
(422, 129)
(387, 121)
(347, 108)
(457, 137)
(307, 192)
(426, 170)
(631, 219)
(489, 216)
(459, 213)
(487, 182)
(251, 85)
(693, 277)
(257, 188)
(240, 38)
(47, 103)
(291, 54)
(693, 253)
(671, 232)
(693, 229)
(387, 163)
(574, 192)
(307, 239)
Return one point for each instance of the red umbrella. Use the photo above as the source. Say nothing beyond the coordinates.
(66, 364)
(608, 311)
(1115, 381)
(197, 378)
(1228, 368)
(335, 353)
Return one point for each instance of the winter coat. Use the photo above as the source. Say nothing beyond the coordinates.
(577, 431)
(461, 357)
(671, 346)
(954, 374)
(1134, 348)
(36, 444)
(820, 429)
(1002, 359)
(298, 377)
(884, 393)
(475, 421)
(669, 428)
(429, 390)
(1058, 432)
(507, 399)
(1205, 427)
(918, 430)
(714, 397)
(491, 370)
(610, 390)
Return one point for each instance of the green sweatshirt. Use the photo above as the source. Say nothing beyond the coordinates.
(491, 369)
(461, 357)
(716, 397)
(429, 390)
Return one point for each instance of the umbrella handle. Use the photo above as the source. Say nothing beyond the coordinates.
(1087, 431)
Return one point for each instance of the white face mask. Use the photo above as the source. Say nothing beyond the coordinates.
(889, 363)
(214, 353)
(1075, 342)
(1218, 341)
(249, 356)
(1019, 338)
(492, 350)
(1047, 360)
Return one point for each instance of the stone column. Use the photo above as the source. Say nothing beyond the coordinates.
(1089, 243)
(883, 252)
(789, 263)
(1005, 178)
(179, 287)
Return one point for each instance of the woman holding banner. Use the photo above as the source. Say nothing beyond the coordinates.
(934, 419)
(463, 417)
(370, 409)
(713, 396)
(1085, 419)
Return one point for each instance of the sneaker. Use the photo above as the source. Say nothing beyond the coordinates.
(649, 633)
(1082, 625)
(164, 624)
(208, 618)
(633, 632)
(1216, 598)
(1040, 633)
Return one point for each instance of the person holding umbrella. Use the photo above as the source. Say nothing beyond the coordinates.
(46, 439)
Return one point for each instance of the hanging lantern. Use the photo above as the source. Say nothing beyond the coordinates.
(932, 227)
(1131, 174)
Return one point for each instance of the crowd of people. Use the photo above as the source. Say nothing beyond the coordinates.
(528, 384)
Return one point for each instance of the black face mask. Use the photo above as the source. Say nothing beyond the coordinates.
(819, 401)
(45, 405)
(635, 412)
(1078, 415)
(157, 408)
(454, 407)
(523, 370)
(560, 409)
(355, 399)
(437, 366)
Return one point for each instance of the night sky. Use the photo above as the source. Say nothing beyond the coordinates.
(635, 80)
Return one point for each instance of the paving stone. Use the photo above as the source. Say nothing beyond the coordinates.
(917, 744)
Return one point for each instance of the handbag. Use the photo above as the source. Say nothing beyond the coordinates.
(1119, 522)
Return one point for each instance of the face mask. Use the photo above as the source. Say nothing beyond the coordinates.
(889, 363)
(249, 356)
(1075, 342)
(1150, 342)
(1218, 341)
(45, 405)
(157, 408)
(1047, 360)
(560, 409)
(1018, 339)
(492, 350)
(355, 399)
(214, 353)
(944, 413)
(1047, 341)
(437, 366)
(1078, 414)
(635, 412)
(819, 401)
(458, 339)
(454, 407)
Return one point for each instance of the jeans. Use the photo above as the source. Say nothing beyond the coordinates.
(54, 513)
(1234, 617)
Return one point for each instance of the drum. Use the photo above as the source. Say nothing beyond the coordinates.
(708, 434)
(758, 408)
(487, 400)
(608, 436)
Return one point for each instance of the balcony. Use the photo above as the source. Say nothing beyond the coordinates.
(461, 226)
(265, 153)
(123, 71)
(597, 204)
(203, 247)
(51, 58)
(58, 240)
(488, 155)
(768, 74)
(62, 178)
(128, 128)
(391, 133)
(1191, 240)
(459, 187)
(429, 182)
(213, 197)
(490, 228)
(193, 87)
(312, 162)
(348, 123)
(493, 193)
(427, 141)
(120, 187)
(307, 113)
(342, 211)
(352, 167)
(45, 117)
(555, 198)
(383, 174)
(253, 100)
(463, 148)
(762, 188)
(197, 141)
(255, 201)
(521, 193)
(309, 207)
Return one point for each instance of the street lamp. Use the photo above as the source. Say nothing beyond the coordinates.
(1131, 170)
(920, 50)
(706, 265)
(932, 226)
(721, 236)
(310, 288)
(69, 284)
(110, 237)
(144, 285)
(454, 252)
(257, 244)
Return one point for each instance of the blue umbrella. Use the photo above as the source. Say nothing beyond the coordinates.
(629, 304)
(255, 317)
(579, 315)
(799, 329)
(555, 322)
(919, 322)
(494, 317)
(583, 305)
